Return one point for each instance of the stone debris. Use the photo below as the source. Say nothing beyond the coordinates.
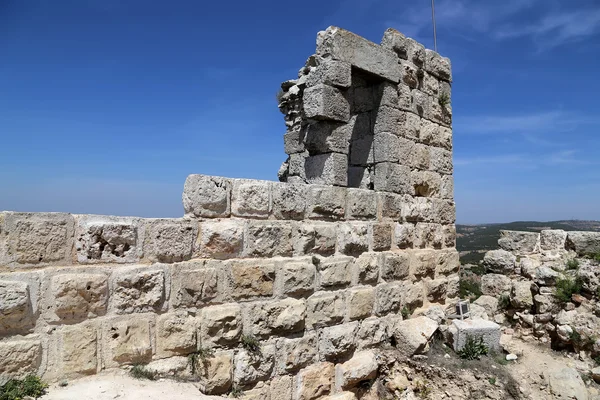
(462, 330)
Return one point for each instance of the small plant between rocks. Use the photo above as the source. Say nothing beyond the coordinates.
(567, 287)
(444, 99)
(503, 301)
(236, 392)
(16, 389)
(198, 358)
(473, 349)
(406, 313)
(572, 264)
(251, 344)
(140, 371)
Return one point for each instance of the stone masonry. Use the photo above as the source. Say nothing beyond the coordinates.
(316, 268)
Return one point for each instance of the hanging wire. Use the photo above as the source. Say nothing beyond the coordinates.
(433, 20)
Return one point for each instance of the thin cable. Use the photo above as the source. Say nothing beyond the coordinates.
(434, 31)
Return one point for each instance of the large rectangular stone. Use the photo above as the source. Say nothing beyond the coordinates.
(286, 316)
(324, 102)
(221, 325)
(195, 283)
(138, 289)
(252, 278)
(268, 239)
(207, 196)
(20, 357)
(463, 330)
(391, 177)
(176, 334)
(289, 200)
(324, 309)
(327, 169)
(325, 137)
(326, 202)
(79, 349)
(127, 340)
(314, 238)
(331, 72)
(16, 308)
(77, 296)
(251, 198)
(170, 240)
(343, 45)
(221, 239)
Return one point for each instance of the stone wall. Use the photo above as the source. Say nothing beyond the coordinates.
(314, 272)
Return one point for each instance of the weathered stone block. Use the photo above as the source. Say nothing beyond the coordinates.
(437, 65)
(495, 284)
(175, 334)
(386, 148)
(387, 120)
(217, 374)
(372, 332)
(423, 264)
(428, 236)
(449, 233)
(194, 283)
(328, 137)
(440, 160)
(327, 169)
(500, 261)
(207, 196)
(361, 367)
(404, 235)
(460, 331)
(360, 302)
(170, 240)
(79, 296)
(553, 239)
(381, 236)
(390, 177)
(324, 102)
(35, 238)
(276, 317)
(387, 93)
(79, 349)
(405, 48)
(108, 239)
(390, 205)
(293, 142)
(138, 289)
(388, 298)
(127, 340)
(221, 325)
(409, 75)
(324, 308)
(448, 262)
(331, 72)
(412, 335)
(361, 154)
(395, 266)
(221, 239)
(412, 295)
(426, 183)
(342, 45)
(337, 341)
(251, 368)
(20, 357)
(297, 353)
(16, 310)
(334, 271)
(420, 157)
(268, 239)
(314, 238)
(289, 200)
(361, 204)
(314, 382)
(410, 124)
(281, 387)
(326, 202)
(353, 238)
(250, 278)
(296, 278)
(421, 104)
(436, 290)
(519, 242)
(363, 99)
(251, 198)
(366, 268)
(521, 296)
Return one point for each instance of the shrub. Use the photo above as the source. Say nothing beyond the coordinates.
(236, 392)
(572, 264)
(567, 287)
(469, 288)
(141, 372)
(492, 380)
(198, 358)
(251, 344)
(473, 349)
(16, 389)
(503, 301)
(597, 360)
(444, 99)
(405, 312)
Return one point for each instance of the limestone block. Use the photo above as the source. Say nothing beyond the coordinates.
(334, 271)
(495, 284)
(297, 353)
(519, 242)
(412, 335)
(441, 114)
(16, 310)
(221, 239)
(404, 235)
(444, 138)
(250, 278)
(361, 154)
(326, 202)
(386, 148)
(314, 238)
(381, 236)
(207, 196)
(34, 238)
(79, 349)
(436, 290)
(127, 340)
(443, 212)
(387, 93)
(337, 341)
(328, 137)
(390, 205)
(489, 303)
(360, 302)
(327, 169)
(268, 239)
(421, 103)
(449, 234)
(109, 239)
(424, 263)
(461, 330)
(324, 102)
(250, 198)
(387, 120)
(499, 261)
(314, 382)
(390, 177)
(20, 357)
(253, 367)
(395, 266)
(371, 332)
(341, 396)
(565, 382)
(296, 278)
(388, 298)
(553, 239)
(448, 263)
(426, 183)
(361, 204)
(410, 126)
(453, 289)
(546, 303)
(170, 240)
(363, 99)
(281, 387)
(421, 157)
(437, 65)
(331, 72)
(353, 238)
(194, 283)
(289, 200)
(217, 373)
(276, 317)
(138, 289)
(175, 334)
(521, 296)
(440, 160)
(293, 142)
(221, 325)
(405, 48)
(343, 45)
(261, 391)
(431, 85)
(296, 168)
(324, 309)
(361, 367)
(408, 74)
(366, 268)
(78, 296)
(583, 243)
(412, 295)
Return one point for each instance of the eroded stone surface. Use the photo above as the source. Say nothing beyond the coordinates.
(127, 340)
(15, 306)
(207, 196)
(20, 357)
(108, 239)
(138, 290)
(79, 296)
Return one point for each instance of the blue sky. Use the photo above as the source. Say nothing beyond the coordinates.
(108, 105)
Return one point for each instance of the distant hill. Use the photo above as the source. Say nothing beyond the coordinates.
(472, 241)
